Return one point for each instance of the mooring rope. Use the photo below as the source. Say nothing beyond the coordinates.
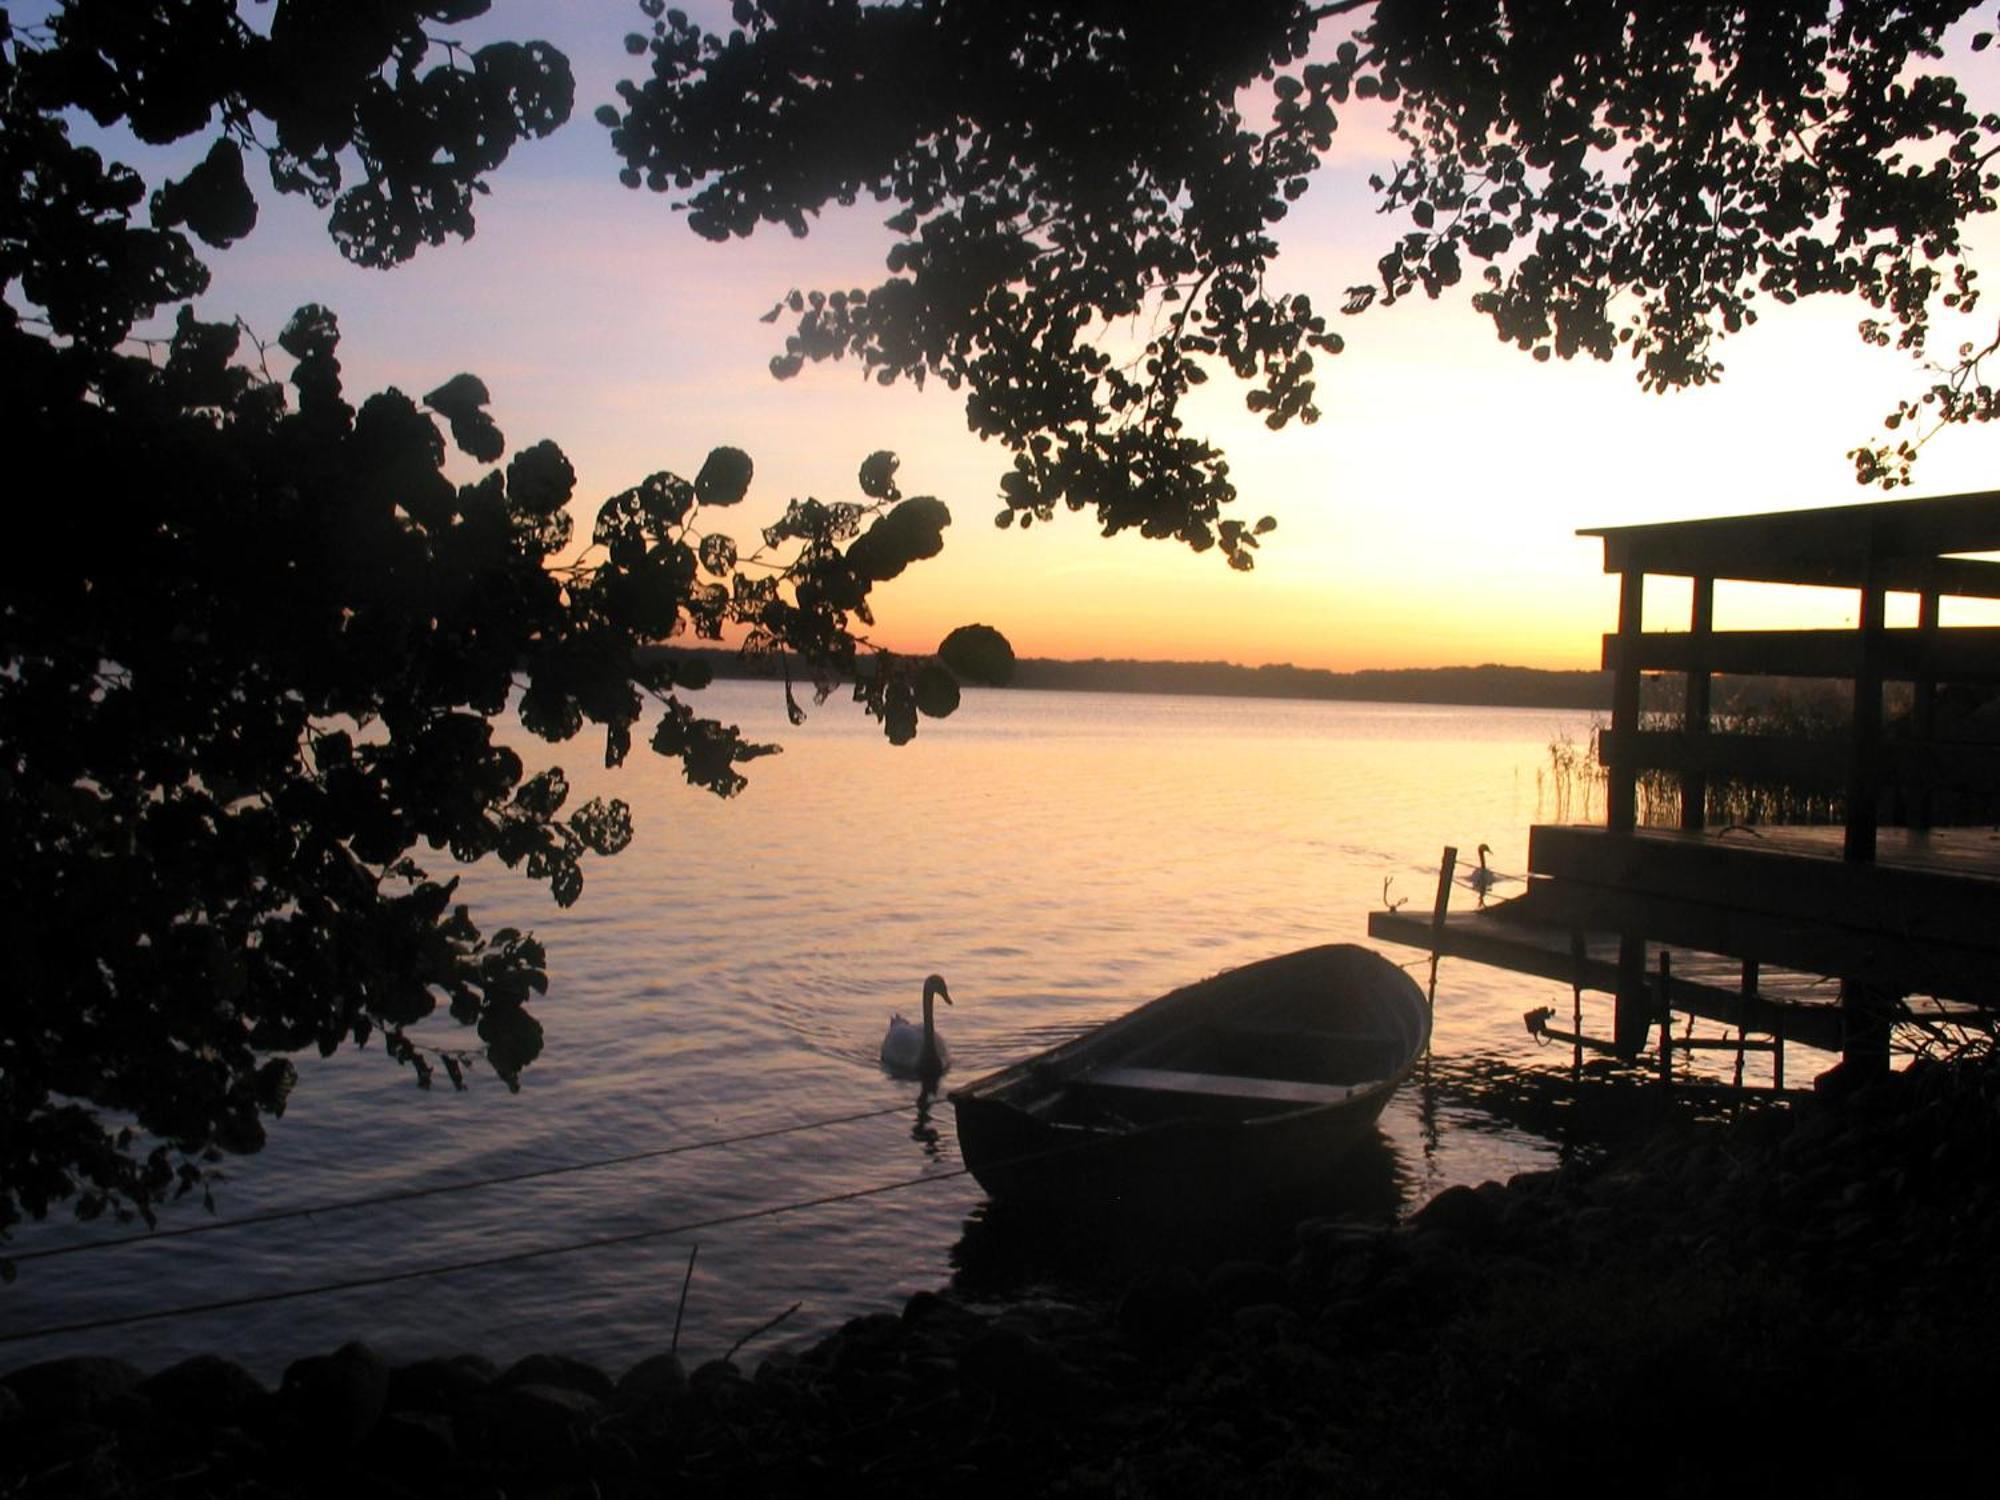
(517, 1257)
(485, 1262)
(408, 1195)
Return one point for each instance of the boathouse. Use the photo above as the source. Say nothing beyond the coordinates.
(1835, 936)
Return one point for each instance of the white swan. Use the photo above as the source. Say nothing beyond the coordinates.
(918, 1051)
(1482, 879)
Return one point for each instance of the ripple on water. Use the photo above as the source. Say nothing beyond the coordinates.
(1058, 858)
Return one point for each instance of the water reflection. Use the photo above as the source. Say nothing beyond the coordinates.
(1010, 1249)
(1582, 1109)
(1095, 1248)
(922, 1131)
(731, 972)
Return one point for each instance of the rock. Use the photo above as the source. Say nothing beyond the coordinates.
(56, 1445)
(72, 1389)
(929, 1313)
(1337, 1252)
(1241, 1283)
(207, 1389)
(1161, 1309)
(440, 1385)
(11, 1409)
(539, 1429)
(1264, 1322)
(1458, 1213)
(412, 1442)
(654, 1381)
(718, 1380)
(779, 1370)
(1611, 1187)
(128, 1411)
(548, 1404)
(335, 1399)
(1014, 1366)
(558, 1370)
(863, 1340)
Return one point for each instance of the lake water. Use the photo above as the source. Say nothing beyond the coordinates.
(1058, 857)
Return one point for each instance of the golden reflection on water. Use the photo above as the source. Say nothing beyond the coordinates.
(1058, 857)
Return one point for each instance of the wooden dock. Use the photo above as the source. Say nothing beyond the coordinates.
(1827, 936)
(1796, 1006)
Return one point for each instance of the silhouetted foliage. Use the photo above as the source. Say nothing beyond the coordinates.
(253, 639)
(1634, 176)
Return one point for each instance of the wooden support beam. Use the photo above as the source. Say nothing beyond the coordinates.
(1809, 764)
(1864, 766)
(1770, 887)
(1866, 1011)
(1621, 793)
(1743, 1032)
(1695, 710)
(1440, 908)
(1526, 948)
(1964, 653)
(1719, 926)
(1923, 707)
(1817, 765)
(1579, 954)
(1909, 542)
(1632, 1011)
(1665, 1001)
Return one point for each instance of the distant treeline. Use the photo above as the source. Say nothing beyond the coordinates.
(1497, 686)
(1490, 685)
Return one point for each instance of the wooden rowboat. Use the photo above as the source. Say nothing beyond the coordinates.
(1253, 1080)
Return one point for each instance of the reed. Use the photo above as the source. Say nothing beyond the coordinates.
(1747, 801)
(1574, 779)
(1571, 787)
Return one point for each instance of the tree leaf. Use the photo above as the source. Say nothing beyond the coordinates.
(725, 477)
(936, 691)
(979, 653)
(213, 200)
(878, 476)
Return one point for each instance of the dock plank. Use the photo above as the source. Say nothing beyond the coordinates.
(1922, 888)
(1798, 1005)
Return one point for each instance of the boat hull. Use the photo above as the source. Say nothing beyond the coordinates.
(1255, 1081)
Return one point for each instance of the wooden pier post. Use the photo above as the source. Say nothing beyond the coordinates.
(1866, 1014)
(1578, 951)
(1864, 775)
(1743, 1019)
(1633, 1011)
(1695, 706)
(1666, 1017)
(1923, 705)
(1446, 865)
(1621, 789)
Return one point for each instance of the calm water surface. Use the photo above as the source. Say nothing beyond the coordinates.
(1058, 857)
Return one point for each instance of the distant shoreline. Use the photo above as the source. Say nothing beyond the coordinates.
(1487, 686)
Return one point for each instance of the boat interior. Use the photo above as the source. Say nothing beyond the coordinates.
(1237, 1070)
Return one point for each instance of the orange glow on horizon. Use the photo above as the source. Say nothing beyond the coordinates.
(1428, 519)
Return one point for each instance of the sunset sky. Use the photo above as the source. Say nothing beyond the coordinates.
(1428, 519)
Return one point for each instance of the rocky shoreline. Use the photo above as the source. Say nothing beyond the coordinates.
(1805, 1297)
